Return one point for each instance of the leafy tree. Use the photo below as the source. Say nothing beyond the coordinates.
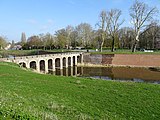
(69, 30)
(3, 42)
(49, 40)
(61, 38)
(34, 42)
(74, 38)
(84, 31)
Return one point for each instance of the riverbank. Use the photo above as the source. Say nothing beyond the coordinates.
(28, 95)
(123, 66)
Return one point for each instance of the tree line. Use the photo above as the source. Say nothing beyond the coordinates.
(144, 33)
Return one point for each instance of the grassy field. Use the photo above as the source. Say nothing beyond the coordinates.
(32, 96)
(121, 51)
(5, 53)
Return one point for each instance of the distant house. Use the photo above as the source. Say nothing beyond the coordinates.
(79, 48)
(17, 47)
(8, 47)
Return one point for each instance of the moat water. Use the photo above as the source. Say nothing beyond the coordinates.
(113, 73)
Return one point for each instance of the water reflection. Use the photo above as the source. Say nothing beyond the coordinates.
(109, 73)
(70, 71)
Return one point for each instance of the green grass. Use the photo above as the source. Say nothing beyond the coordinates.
(126, 52)
(28, 95)
(5, 53)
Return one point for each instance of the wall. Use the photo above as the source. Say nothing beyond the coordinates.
(138, 60)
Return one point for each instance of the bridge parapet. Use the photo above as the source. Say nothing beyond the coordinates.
(40, 56)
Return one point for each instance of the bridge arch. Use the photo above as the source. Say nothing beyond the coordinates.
(50, 64)
(33, 65)
(23, 64)
(57, 63)
(78, 59)
(69, 61)
(74, 60)
(42, 65)
(65, 62)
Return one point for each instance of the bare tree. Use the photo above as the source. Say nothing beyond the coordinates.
(153, 32)
(140, 14)
(150, 35)
(126, 37)
(102, 29)
(113, 24)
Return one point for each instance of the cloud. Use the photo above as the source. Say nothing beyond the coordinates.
(32, 21)
(71, 2)
(50, 21)
(44, 27)
(47, 25)
(41, 25)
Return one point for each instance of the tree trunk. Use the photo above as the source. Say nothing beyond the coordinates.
(134, 47)
(113, 42)
(101, 46)
(136, 42)
(153, 42)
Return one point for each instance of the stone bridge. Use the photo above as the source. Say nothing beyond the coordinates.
(48, 61)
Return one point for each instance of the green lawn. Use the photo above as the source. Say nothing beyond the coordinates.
(28, 95)
(5, 53)
(121, 51)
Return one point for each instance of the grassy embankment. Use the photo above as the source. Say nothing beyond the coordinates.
(28, 95)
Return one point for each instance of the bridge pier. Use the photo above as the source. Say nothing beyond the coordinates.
(75, 71)
(61, 63)
(66, 62)
(38, 66)
(53, 65)
(46, 66)
(75, 60)
(67, 72)
(61, 72)
(81, 58)
(71, 61)
(28, 65)
(71, 71)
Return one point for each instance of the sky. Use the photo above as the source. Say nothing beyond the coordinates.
(41, 16)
